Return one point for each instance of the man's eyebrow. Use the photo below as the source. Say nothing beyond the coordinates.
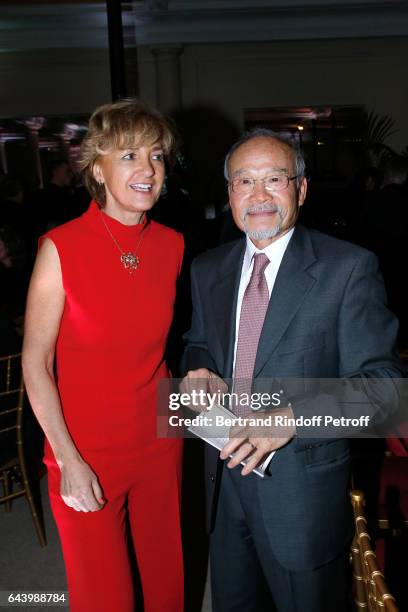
(242, 171)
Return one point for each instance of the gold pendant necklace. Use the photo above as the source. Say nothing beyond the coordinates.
(129, 260)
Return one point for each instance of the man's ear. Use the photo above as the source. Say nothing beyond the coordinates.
(302, 190)
(229, 189)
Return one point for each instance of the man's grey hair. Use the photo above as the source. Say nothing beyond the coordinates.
(298, 159)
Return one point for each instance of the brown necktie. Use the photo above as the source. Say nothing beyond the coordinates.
(253, 311)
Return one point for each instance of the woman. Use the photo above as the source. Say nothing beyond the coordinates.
(101, 297)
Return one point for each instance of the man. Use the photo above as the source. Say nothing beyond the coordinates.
(316, 309)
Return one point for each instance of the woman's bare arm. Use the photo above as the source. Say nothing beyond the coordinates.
(45, 304)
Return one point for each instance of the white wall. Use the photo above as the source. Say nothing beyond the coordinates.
(58, 81)
(229, 77)
(232, 77)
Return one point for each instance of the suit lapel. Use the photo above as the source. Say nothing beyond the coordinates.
(292, 284)
(223, 297)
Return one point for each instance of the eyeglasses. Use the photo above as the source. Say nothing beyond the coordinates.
(273, 183)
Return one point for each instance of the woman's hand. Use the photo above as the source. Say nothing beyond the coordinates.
(80, 488)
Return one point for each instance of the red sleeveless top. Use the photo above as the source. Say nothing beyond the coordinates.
(110, 348)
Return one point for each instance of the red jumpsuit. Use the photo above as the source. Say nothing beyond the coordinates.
(110, 356)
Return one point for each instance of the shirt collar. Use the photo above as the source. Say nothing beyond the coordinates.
(274, 252)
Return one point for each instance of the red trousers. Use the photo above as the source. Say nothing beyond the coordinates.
(94, 543)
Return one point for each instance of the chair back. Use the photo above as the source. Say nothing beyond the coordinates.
(11, 407)
(369, 587)
(14, 474)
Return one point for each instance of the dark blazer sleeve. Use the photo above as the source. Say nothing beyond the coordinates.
(367, 328)
(196, 354)
(366, 340)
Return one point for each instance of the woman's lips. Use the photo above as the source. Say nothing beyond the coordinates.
(142, 187)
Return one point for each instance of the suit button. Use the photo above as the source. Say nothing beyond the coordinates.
(212, 477)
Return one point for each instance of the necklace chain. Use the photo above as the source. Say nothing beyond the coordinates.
(130, 259)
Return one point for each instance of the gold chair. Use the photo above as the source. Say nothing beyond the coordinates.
(13, 466)
(369, 587)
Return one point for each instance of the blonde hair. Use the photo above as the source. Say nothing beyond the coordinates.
(123, 124)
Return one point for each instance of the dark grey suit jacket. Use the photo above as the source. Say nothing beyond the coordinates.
(327, 318)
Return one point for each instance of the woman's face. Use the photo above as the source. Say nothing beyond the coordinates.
(133, 179)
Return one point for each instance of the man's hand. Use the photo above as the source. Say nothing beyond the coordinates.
(254, 442)
(202, 381)
(80, 488)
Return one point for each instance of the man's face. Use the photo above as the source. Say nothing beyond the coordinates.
(264, 215)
